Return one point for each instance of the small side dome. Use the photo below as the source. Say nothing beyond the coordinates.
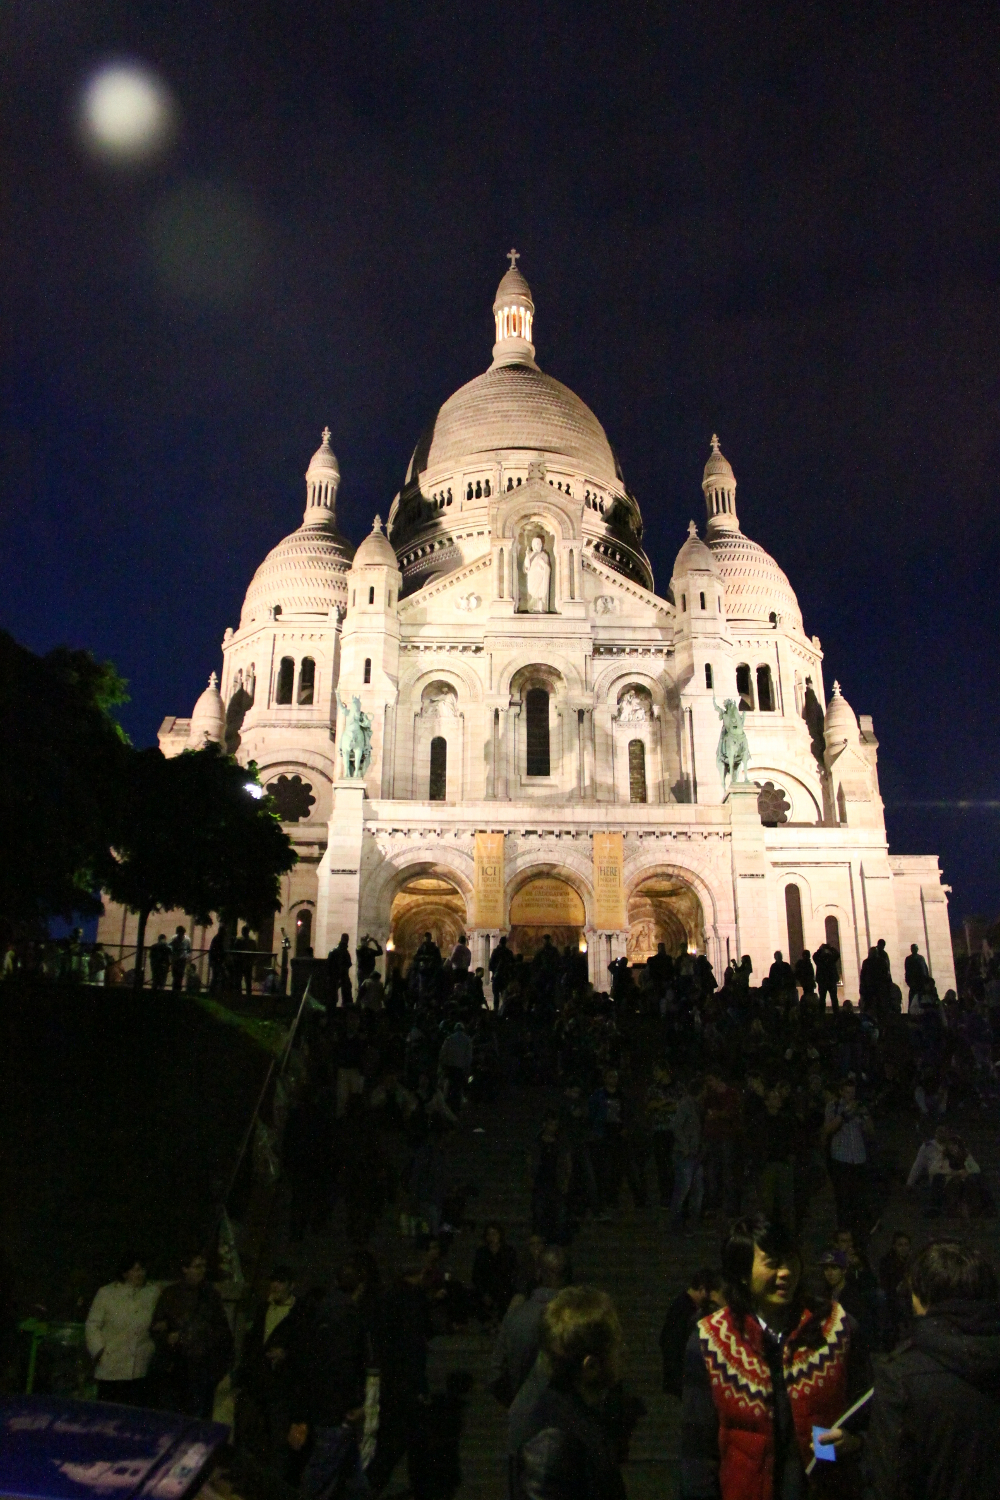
(695, 556)
(840, 725)
(208, 718)
(376, 550)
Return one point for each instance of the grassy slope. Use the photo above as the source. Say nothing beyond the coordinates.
(119, 1120)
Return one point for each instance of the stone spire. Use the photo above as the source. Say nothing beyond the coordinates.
(514, 312)
(322, 481)
(719, 487)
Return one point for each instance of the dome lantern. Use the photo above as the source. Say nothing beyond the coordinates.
(322, 482)
(719, 486)
(514, 312)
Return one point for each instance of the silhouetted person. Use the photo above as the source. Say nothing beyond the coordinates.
(338, 970)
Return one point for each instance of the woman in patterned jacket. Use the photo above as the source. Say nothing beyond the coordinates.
(761, 1372)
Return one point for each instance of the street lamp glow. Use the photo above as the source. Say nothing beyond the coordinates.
(255, 789)
(126, 113)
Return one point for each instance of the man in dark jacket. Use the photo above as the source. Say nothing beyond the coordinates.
(935, 1423)
(194, 1343)
(405, 1328)
(567, 1450)
(702, 1297)
(262, 1412)
(327, 1367)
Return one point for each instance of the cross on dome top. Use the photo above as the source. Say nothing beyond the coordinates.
(692, 529)
(326, 436)
(513, 256)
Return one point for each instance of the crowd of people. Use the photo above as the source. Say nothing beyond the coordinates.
(728, 1104)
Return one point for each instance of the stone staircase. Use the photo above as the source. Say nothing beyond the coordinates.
(636, 1259)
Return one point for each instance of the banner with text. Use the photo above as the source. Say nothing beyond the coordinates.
(609, 890)
(489, 880)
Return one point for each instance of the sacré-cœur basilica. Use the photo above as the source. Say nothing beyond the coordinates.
(487, 719)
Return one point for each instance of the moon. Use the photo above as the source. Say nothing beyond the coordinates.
(127, 114)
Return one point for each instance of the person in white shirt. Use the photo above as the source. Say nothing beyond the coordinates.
(118, 1336)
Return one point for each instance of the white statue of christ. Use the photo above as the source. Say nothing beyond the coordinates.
(537, 571)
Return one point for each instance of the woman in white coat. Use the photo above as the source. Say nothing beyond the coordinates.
(118, 1334)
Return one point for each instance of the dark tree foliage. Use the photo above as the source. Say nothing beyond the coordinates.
(63, 756)
(191, 836)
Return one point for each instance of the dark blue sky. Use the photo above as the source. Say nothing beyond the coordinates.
(775, 221)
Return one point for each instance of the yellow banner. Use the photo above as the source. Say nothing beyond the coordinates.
(489, 880)
(609, 890)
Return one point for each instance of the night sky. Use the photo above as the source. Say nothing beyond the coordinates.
(777, 222)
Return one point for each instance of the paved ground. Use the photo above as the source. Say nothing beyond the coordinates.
(636, 1259)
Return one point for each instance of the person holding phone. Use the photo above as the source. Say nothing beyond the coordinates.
(761, 1372)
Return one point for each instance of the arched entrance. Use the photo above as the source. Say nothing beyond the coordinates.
(664, 909)
(545, 904)
(427, 903)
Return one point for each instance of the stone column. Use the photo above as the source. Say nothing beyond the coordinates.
(339, 873)
(510, 757)
(751, 879)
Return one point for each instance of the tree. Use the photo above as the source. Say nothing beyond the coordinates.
(194, 833)
(63, 756)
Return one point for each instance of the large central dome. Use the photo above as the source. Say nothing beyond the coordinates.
(516, 406)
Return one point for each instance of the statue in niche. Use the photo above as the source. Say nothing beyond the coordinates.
(355, 740)
(439, 699)
(632, 709)
(537, 573)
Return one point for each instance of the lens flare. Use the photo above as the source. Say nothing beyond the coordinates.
(127, 114)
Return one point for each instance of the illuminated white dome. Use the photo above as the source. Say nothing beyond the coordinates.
(756, 587)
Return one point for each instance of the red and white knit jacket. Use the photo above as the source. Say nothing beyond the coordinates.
(816, 1378)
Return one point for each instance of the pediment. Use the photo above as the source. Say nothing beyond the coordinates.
(610, 596)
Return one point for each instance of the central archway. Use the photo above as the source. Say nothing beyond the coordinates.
(427, 903)
(545, 904)
(664, 909)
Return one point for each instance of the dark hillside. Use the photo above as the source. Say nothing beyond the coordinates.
(119, 1119)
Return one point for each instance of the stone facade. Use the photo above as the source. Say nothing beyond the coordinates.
(524, 678)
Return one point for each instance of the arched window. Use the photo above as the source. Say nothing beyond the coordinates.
(307, 679)
(744, 686)
(368, 669)
(572, 576)
(500, 574)
(832, 927)
(286, 676)
(636, 771)
(709, 680)
(684, 603)
(537, 705)
(371, 595)
(765, 690)
(841, 803)
(439, 769)
(702, 599)
(303, 933)
(793, 917)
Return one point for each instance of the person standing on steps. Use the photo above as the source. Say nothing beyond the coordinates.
(827, 961)
(338, 971)
(565, 1447)
(761, 1372)
(703, 1295)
